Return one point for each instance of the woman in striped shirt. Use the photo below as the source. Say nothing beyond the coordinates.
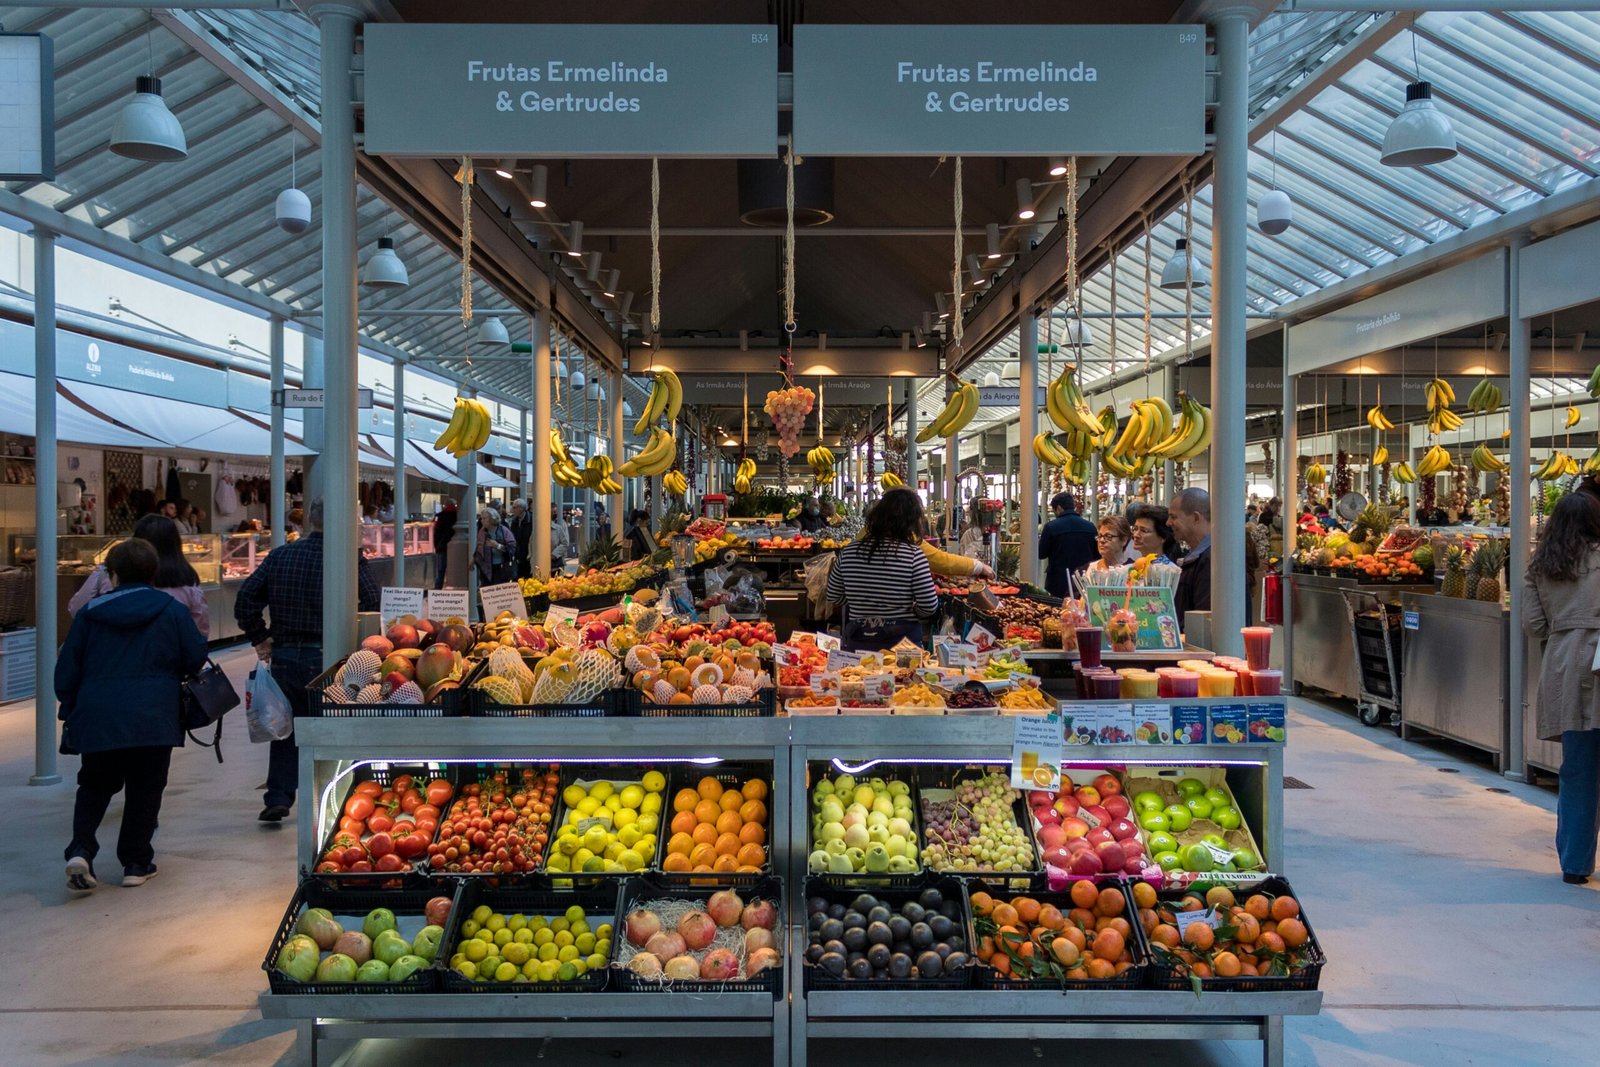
(883, 579)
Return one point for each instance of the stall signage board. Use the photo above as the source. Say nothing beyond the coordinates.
(1151, 604)
(1004, 396)
(447, 604)
(314, 398)
(507, 596)
(547, 90)
(999, 90)
(1036, 752)
(396, 601)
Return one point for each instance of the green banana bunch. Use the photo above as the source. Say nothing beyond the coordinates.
(1377, 419)
(1485, 398)
(1594, 383)
(1592, 464)
(1316, 474)
(1076, 472)
(957, 412)
(666, 398)
(1485, 460)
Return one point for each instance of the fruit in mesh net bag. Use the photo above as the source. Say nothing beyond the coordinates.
(507, 663)
(664, 691)
(500, 690)
(705, 674)
(597, 671)
(707, 694)
(406, 693)
(739, 694)
(370, 693)
(360, 667)
(642, 658)
(552, 687)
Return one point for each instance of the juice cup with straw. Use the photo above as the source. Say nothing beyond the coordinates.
(1258, 646)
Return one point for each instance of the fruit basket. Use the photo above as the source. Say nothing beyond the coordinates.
(632, 703)
(350, 909)
(587, 825)
(888, 945)
(723, 923)
(1031, 940)
(492, 810)
(838, 835)
(957, 803)
(719, 825)
(539, 910)
(376, 818)
(1199, 854)
(329, 698)
(1299, 964)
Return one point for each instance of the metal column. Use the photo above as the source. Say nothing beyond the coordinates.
(275, 514)
(952, 482)
(522, 457)
(1230, 216)
(911, 433)
(338, 463)
(44, 503)
(539, 504)
(1521, 342)
(399, 447)
(1288, 514)
(618, 457)
(1027, 462)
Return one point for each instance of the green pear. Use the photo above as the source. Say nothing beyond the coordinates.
(876, 859)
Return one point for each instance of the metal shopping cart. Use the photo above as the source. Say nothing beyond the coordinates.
(1377, 634)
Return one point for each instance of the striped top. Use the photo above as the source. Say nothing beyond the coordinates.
(893, 582)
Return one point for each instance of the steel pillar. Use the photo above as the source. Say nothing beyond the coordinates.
(1027, 462)
(275, 514)
(398, 446)
(1521, 343)
(44, 503)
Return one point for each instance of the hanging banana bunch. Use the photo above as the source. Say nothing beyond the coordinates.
(1377, 419)
(1572, 417)
(1594, 383)
(1316, 474)
(957, 412)
(1440, 418)
(1486, 461)
(596, 475)
(666, 398)
(1404, 474)
(1559, 465)
(820, 460)
(1192, 434)
(468, 430)
(675, 483)
(1433, 461)
(1591, 466)
(656, 456)
(744, 476)
(1485, 398)
(891, 480)
(562, 470)
(1066, 404)
(1380, 456)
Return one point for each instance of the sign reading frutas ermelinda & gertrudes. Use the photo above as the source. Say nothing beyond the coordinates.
(1022, 90)
(554, 90)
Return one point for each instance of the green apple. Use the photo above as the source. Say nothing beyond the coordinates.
(878, 785)
(821, 794)
(817, 862)
(832, 810)
(405, 967)
(373, 971)
(389, 946)
(426, 943)
(1148, 801)
(1246, 860)
(298, 958)
(865, 796)
(897, 845)
(1161, 842)
(1219, 797)
(879, 834)
(844, 785)
(1198, 858)
(857, 858)
(1178, 818)
(835, 846)
(877, 859)
(839, 863)
(1154, 822)
(877, 818)
(899, 789)
(1191, 787)
(883, 805)
(832, 831)
(901, 865)
(377, 921)
(1215, 839)
(899, 826)
(1226, 817)
(857, 837)
(1169, 861)
(337, 968)
(1199, 807)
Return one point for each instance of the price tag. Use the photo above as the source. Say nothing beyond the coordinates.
(1221, 855)
(838, 660)
(397, 600)
(878, 686)
(507, 596)
(825, 683)
(828, 642)
(1036, 752)
(1205, 916)
(582, 826)
(785, 655)
(447, 604)
(560, 613)
(980, 637)
(717, 614)
(958, 654)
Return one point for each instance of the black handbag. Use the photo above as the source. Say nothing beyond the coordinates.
(204, 700)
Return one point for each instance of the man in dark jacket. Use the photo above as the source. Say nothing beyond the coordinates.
(521, 524)
(444, 528)
(1068, 541)
(118, 678)
(1190, 517)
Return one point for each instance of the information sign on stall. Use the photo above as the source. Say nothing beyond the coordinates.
(1036, 752)
(447, 604)
(1157, 619)
(557, 613)
(395, 601)
(507, 596)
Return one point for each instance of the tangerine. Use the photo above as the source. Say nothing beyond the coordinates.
(1199, 936)
(751, 855)
(1082, 917)
(755, 788)
(1108, 944)
(1111, 902)
(729, 822)
(1050, 917)
(1259, 906)
(1076, 936)
(1293, 932)
(753, 833)
(982, 903)
(1163, 934)
(1004, 915)
(1144, 894)
(709, 788)
(753, 811)
(1247, 929)
(685, 800)
(707, 811)
(1101, 969)
(1285, 908)
(727, 844)
(683, 822)
(1064, 952)
(1027, 909)
(1219, 896)
(1084, 894)
(1269, 943)
(1226, 964)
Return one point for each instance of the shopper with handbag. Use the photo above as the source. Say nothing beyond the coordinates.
(119, 679)
(495, 549)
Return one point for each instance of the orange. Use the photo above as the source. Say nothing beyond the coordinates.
(727, 844)
(1120, 925)
(1064, 952)
(1269, 943)
(747, 869)
(731, 800)
(1259, 906)
(749, 661)
(1200, 936)
(729, 822)
(1001, 962)
(753, 811)
(678, 678)
(755, 788)
(1004, 915)
(683, 822)
(1050, 917)
(1083, 918)
(1285, 908)
(681, 698)
(1293, 932)
(1102, 969)
(1147, 920)
(1164, 935)
(725, 863)
(751, 855)
(1027, 909)
(675, 862)
(752, 833)
(707, 811)
(685, 800)
(703, 833)
(1111, 902)
(982, 903)
(1226, 964)
(703, 868)
(692, 662)
(1248, 929)
(1144, 894)
(1075, 935)
(1219, 896)
(709, 788)
(1108, 945)
(680, 845)
(703, 855)
(1084, 894)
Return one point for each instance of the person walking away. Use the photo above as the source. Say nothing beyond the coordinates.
(118, 678)
(444, 528)
(1190, 516)
(1112, 540)
(288, 587)
(1151, 529)
(1068, 542)
(494, 549)
(883, 579)
(522, 531)
(1563, 597)
(560, 542)
(639, 541)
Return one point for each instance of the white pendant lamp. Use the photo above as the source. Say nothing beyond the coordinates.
(538, 186)
(1420, 134)
(491, 331)
(1077, 334)
(292, 211)
(385, 270)
(596, 392)
(1024, 198)
(627, 409)
(1010, 372)
(1274, 212)
(576, 382)
(145, 129)
(1182, 271)
(991, 379)
(613, 281)
(991, 240)
(575, 239)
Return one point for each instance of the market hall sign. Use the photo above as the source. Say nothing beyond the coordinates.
(549, 90)
(999, 90)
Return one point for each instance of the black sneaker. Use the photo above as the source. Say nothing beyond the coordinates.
(80, 875)
(1575, 879)
(273, 813)
(138, 874)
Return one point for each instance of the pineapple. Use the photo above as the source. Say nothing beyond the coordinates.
(1490, 559)
(1455, 578)
(1474, 574)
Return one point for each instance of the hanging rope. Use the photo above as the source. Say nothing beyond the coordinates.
(1073, 303)
(788, 241)
(1114, 309)
(655, 246)
(819, 411)
(1147, 240)
(955, 269)
(466, 243)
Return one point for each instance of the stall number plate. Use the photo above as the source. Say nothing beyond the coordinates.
(1413, 620)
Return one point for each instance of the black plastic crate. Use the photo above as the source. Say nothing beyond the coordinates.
(625, 773)
(356, 903)
(730, 774)
(481, 775)
(947, 776)
(949, 887)
(605, 705)
(1163, 974)
(986, 977)
(451, 703)
(868, 880)
(632, 704)
(599, 903)
(416, 869)
(638, 892)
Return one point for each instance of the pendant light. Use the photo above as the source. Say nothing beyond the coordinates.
(991, 238)
(575, 239)
(1420, 134)
(1182, 271)
(595, 391)
(538, 186)
(613, 280)
(1077, 334)
(492, 332)
(1024, 198)
(991, 379)
(385, 270)
(1010, 372)
(506, 168)
(627, 409)
(145, 129)
(577, 381)
(1274, 211)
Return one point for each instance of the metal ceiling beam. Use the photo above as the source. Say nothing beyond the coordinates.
(1565, 107)
(1355, 133)
(190, 178)
(1378, 178)
(198, 37)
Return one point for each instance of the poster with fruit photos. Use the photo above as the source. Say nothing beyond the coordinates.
(1155, 624)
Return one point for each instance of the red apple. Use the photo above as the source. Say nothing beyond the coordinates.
(1052, 836)
(1067, 805)
(1112, 858)
(1076, 845)
(1086, 864)
(1108, 785)
(1097, 814)
(1058, 857)
(1133, 847)
(1087, 794)
(1122, 829)
(1099, 836)
(1047, 816)
(1134, 866)
(1074, 827)
(1117, 805)
(1066, 786)
(1041, 798)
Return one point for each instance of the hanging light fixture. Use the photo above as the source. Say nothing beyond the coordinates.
(991, 237)
(1182, 271)
(1420, 134)
(491, 331)
(1058, 167)
(627, 302)
(920, 336)
(991, 379)
(1077, 334)
(627, 409)
(385, 270)
(1010, 372)
(1274, 211)
(942, 301)
(538, 186)
(594, 268)
(575, 239)
(506, 168)
(613, 280)
(596, 392)
(975, 268)
(145, 129)
(576, 382)
(1024, 198)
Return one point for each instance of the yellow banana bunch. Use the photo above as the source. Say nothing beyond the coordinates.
(1192, 434)
(1122, 468)
(1380, 456)
(596, 475)
(1047, 452)
(958, 411)
(562, 469)
(1079, 444)
(1440, 395)
(666, 398)
(1316, 474)
(1486, 397)
(468, 429)
(1149, 424)
(820, 457)
(890, 480)
(1443, 420)
(1572, 416)
(743, 476)
(1076, 472)
(1066, 404)
(1559, 465)
(656, 456)
(1106, 432)
(675, 483)
(1433, 461)
(1404, 474)
(1592, 464)
(1487, 461)
(1377, 419)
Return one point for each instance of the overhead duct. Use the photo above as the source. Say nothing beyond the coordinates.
(763, 196)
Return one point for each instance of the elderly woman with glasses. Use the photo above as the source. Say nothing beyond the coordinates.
(1112, 541)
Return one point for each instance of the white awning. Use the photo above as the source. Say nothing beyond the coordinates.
(377, 447)
(74, 424)
(179, 423)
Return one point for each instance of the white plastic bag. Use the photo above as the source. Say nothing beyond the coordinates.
(266, 709)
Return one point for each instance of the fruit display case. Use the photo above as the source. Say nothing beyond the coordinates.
(330, 699)
(719, 940)
(1294, 962)
(633, 704)
(603, 815)
(844, 848)
(539, 908)
(943, 793)
(351, 909)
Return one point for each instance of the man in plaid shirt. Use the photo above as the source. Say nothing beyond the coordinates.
(288, 585)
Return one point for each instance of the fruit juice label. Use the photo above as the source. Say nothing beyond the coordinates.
(1035, 752)
(1152, 724)
(1083, 725)
(1267, 723)
(1229, 724)
(1116, 724)
(1189, 724)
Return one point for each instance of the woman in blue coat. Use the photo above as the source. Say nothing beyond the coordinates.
(118, 679)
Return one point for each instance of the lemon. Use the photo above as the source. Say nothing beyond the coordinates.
(588, 806)
(629, 836)
(516, 922)
(567, 953)
(630, 860)
(567, 973)
(613, 851)
(487, 968)
(632, 796)
(486, 936)
(518, 954)
(581, 857)
(572, 795)
(544, 936)
(585, 943)
(603, 930)
(654, 781)
(558, 862)
(523, 936)
(548, 969)
(624, 817)
(502, 936)
(579, 928)
(547, 952)
(609, 867)
(538, 922)
(468, 970)
(600, 790)
(602, 947)
(469, 928)
(457, 960)
(475, 951)
(596, 865)
(651, 804)
(557, 925)
(613, 803)
(505, 972)
(648, 821)
(580, 966)
(530, 970)
(575, 914)
(596, 839)
(564, 938)
(569, 845)
(481, 913)
(596, 962)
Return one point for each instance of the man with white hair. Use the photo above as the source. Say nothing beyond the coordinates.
(522, 529)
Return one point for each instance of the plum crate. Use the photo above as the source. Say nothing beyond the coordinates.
(946, 778)
(870, 881)
(730, 774)
(416, 870)
(986, 977)
(354, 904)
(1163, 975)
(599, 903)
(639, 892)
(953, 892)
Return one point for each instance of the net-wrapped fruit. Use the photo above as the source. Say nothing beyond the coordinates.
(406, 693)
(707, 694)
(500, 690)
(642, 658)
(360, 668)
(370, 693)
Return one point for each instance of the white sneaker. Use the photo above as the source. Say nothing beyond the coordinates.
(80, 875)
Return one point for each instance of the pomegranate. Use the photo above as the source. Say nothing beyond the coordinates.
(642, 925)
(760, 960)
(757, 937)
(665, 945)
(759, 914)
(719, 966)
(645, 964)
(682, 967)
(697, 930)
(724, 907)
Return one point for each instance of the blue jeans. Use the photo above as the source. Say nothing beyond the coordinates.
(1578, 803)
(293, 668)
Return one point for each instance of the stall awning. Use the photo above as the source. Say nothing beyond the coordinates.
(179, 423)
(74, 425)
(375, 446)
(428, 459)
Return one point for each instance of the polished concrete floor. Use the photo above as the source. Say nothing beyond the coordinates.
(1431, 881)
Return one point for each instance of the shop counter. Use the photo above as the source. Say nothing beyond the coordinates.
(1456, 658)
(1537, 753)
(1324, 647)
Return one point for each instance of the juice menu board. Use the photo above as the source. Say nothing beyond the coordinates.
(1154, 627)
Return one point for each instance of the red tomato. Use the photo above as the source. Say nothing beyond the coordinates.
(411, 800)
(427, 811)
(425, 828)
(402, 783)
(368, 788)
(359, 806)
(410, 845)
(390, 863)
(381, 822)
(380, 844)
(361, 867)
(352, 827)
(329, 867)
(354, 855)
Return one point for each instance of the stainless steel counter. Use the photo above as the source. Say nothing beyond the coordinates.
(1538, 753)
(1456, 671)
